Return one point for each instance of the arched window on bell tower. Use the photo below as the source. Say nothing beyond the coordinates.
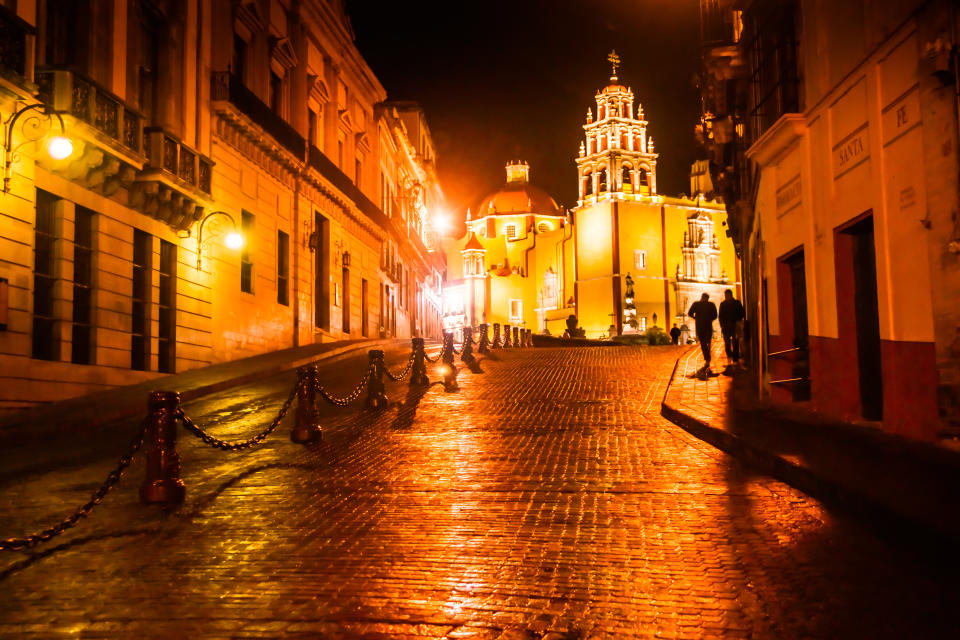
(587, 183)
(626, 179)
(643, 180)
(602, 184)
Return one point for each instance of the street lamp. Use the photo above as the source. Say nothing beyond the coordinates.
(59, 147)
(233, 240)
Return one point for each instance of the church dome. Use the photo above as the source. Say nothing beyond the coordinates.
(518, 196)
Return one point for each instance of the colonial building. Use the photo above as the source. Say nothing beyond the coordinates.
(524, 260)
(833, 136)
(189, 120)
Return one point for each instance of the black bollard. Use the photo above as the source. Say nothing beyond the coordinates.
(516, 337)
(162, 484)
(418, 375)
(483, 346)
(376, 396)
(449, 368)
(466, 352)
(306, 428)
(496, 336)
(506, 337)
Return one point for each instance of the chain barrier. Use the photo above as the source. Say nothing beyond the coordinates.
(436, 359)
(217, 443)
(402, 375)
(18, 544)
(348, 399)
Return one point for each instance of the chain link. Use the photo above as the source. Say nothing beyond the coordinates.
(349, 399)
(246, 444)
(17, 544)
(403, 374)
(429, 359)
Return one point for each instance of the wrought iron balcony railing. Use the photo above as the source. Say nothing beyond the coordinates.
(175, 159)
(13, 42)
(226, 87)
(69, 92)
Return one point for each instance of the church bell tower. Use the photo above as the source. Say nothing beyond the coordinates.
(617, 158)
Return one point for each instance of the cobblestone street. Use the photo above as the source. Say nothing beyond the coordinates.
(547, 498)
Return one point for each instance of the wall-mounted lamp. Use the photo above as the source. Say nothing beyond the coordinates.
(59, 147)
(346, 259)
(233, 240)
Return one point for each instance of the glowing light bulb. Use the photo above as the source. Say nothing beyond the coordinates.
(233, 240)
(59, 147)
(440, 223)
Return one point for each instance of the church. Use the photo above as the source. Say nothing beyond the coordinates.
(525, 261)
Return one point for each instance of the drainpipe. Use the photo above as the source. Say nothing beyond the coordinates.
(563, 262)
(526, 253)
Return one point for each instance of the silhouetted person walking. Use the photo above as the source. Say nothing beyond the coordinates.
(675, 335)
(704, 313)
(731, 313)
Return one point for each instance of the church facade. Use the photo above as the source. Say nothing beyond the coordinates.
(526, 261)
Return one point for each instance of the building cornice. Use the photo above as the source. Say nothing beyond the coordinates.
(776, 140)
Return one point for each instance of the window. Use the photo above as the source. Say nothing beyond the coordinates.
(167, 305)
(511, 231)
(246, 261)
(772, 53)
(357, 169)
(516, 310)
(313, 125)
(544, 227)
(346, 300)
(83, 247)
(340, 154)
(283, 267)
(602, 185)
(46, 345)
(276, 93)
(142, 289)
(639, 259)
(643, 323)
(239, 62)
(364, 292)
(550, 289)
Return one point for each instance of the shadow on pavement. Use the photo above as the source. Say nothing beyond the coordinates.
(73, 544)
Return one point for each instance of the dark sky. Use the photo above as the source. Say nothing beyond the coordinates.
(504, 80)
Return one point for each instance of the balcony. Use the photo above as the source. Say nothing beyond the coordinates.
(325, 167)
(115, 124)
(175, 161)
(227, 88)
(13, 43)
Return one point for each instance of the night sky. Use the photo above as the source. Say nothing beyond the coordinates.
(513, 80)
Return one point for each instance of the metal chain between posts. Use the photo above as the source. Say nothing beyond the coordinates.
(348, 399)
(17, 544)
(217, 443)
(436, 359)
(402, 375)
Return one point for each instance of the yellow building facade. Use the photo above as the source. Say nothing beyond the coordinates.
(526, 261)
(197, 117)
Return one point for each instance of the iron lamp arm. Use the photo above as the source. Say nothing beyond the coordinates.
(200, 233)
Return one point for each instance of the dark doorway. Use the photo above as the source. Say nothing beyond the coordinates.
(867, 317)
(321, 294)
(346, 300)
(363, 308)
(801, 337)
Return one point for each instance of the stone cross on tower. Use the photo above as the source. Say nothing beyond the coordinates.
(615, 61)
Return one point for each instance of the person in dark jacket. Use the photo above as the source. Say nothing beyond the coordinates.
(675, 334)
(704, 313)
(731, 313)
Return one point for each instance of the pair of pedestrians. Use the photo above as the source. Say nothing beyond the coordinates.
(731, 313)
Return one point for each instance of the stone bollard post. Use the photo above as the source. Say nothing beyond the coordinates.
(483, 346)
(306, 428)
(376, 396)
(466, 352)
(506, 337)
(528, 337)
(162, 484)
(516, 337)
(449, 368)
(418, 374)
(496, 336)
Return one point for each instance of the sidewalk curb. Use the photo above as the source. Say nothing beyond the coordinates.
(25, 426)
(832, 493)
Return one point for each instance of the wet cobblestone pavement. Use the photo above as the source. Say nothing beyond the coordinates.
(545, 499)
